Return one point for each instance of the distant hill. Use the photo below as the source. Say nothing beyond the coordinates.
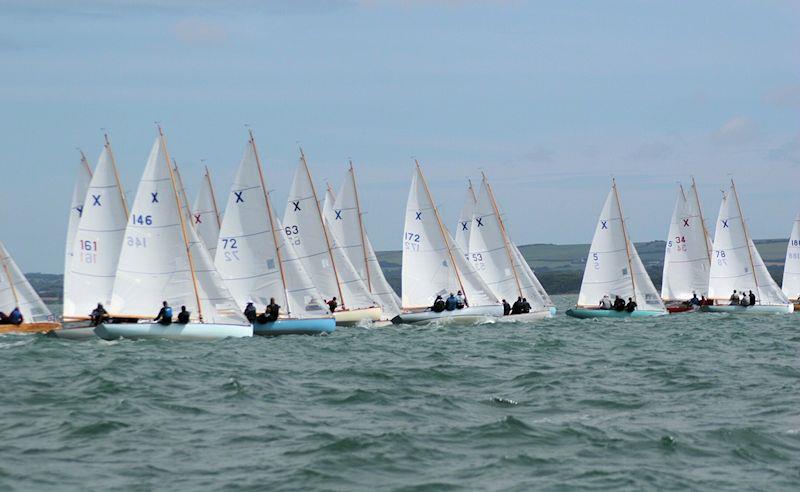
(558, 266)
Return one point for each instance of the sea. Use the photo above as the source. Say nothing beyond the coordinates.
(681, 402)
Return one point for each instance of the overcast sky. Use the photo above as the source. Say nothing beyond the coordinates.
(548, 98)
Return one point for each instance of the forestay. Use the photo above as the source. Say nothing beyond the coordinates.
(432, 263)
(98, 241)
(16, 291)
(791, 268)
(162, 257)
(253, 256)
(75, 212)
(736, 263)
(205, 214)
(613, 266)
(687, 254)
(495, 257)
(345, 223)
(465, 219)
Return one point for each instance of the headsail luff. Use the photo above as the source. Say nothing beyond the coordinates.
(75, 214)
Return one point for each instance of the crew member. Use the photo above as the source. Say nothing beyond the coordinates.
(183, 316)
(164, 315)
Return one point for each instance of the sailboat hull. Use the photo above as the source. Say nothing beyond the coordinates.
(470, 314)
(175, 331)
(757, 309)
(610, 313)
(355, 316)
(30, 328)
(74, 332)
(304, 326)
(522, 318)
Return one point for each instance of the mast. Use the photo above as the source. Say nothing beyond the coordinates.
(85, 163)
(625, 234)
(116, 175)
(271, 221)
(183, 190)
(471, 190)
(506, 240)
(324, 227)
(213, 198)
(702, 220)
(746, 239)
(183, 224)
(361, 227)
(6, 256)
(441, 228)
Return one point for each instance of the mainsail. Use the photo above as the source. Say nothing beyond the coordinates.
(791, 268)
(253, 255)
(687, 258)
(432, 263)
(613, 266)
(205, 214)
(16, 291)
(75, 213)
(162, 258)
(465, 219)
(98, 241)
(736, 263)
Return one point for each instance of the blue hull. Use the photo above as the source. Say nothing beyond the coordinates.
(310, 326)
(610, 313)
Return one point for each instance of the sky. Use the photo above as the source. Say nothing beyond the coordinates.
(549, 99)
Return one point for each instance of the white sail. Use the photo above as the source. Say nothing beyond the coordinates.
(162, 258)
(736, 263)
(75, 212)
(465, 219)
(16, 291)
(494, 256)
(345, 223)
(432, 263)
(686, 258)
(791, 268)
(253, 256)
(613, 266)
(205, 214)
(531, 278)
(97, 242)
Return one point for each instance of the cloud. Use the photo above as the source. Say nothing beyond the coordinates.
(790, 151)
(787, 96)
(198, 31)
(736, 131)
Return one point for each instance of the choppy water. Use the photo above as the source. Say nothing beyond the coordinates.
(686, 401)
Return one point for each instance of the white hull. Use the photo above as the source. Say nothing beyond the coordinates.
(757, 309)
(474, 314)
(175, 331)
(533, 316)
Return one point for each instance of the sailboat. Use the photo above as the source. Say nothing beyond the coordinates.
(329, 269)
(687, 258)
(75, 214)
(433, 265)
(257, 262)
(613, 268)
(499, 261)
(791, 268)
(16, 291)
(737, 265)
(345, 221)
(205, 214)
(162, 259)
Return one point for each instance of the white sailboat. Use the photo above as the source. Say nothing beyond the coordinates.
(162, 259)
(613, 268)
(737, 265)
(791, 268)
(500, 263)
(465, 219)
(345, 221)
(687, 258)
(257, 262)
(75, 213)
(329, 268)
(97, 242)
(205, 214)
(434, 265)
(17, 292)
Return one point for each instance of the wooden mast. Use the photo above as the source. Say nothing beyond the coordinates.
(271, 221)
(85, 163)
(116, 176)
(361, 227)
(441, 229)
(702, 220)
(625, 235)
(746, 239)
(324, 227)
(183, 224)
(213, 198)
(182, 190)
(506, 240)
